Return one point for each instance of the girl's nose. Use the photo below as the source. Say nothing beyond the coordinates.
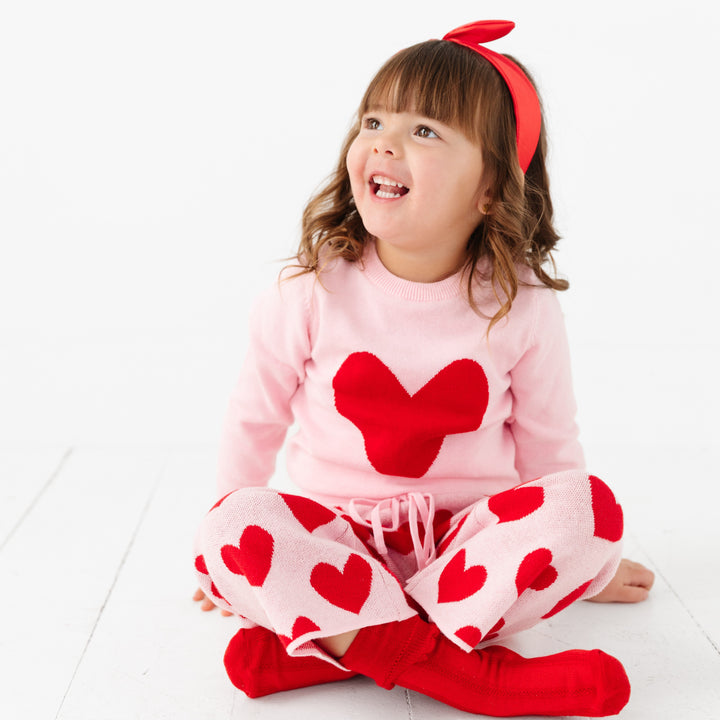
(388, 143)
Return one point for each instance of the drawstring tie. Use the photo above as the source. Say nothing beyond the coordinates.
(421, 508)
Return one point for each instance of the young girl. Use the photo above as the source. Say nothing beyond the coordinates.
(420, 347)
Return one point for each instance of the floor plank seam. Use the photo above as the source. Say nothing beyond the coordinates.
(660, 574)
(408, 702)
(109, 593)
(53, 475)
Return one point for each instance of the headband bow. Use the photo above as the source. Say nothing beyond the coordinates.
(525, 99)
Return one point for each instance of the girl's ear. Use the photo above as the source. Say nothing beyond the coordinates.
(487, 185)
(485, 203)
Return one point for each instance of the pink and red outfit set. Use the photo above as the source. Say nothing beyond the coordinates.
(439, 466)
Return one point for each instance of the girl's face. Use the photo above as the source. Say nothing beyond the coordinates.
(418, 186)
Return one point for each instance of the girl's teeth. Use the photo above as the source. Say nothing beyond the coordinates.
(380, 180)
(388, 189)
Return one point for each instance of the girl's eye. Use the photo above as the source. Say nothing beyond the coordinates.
(372, 123)
(425, 132)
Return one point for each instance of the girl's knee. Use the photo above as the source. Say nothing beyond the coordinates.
(233, 513)
(245, 504)
(579, 492)
(607, 512)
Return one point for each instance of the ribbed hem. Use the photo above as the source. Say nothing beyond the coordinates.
(380, 276)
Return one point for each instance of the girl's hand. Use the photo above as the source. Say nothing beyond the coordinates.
(206, 604)
(631, 584)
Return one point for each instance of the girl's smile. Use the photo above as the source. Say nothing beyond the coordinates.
(418, 187)
(387, 189)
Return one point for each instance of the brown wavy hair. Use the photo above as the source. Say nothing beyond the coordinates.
(457, 86)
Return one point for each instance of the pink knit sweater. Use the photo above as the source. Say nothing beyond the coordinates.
(395, 388)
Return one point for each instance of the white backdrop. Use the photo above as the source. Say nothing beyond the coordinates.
(155, 157)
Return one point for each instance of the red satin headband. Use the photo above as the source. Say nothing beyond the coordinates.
(525, 99)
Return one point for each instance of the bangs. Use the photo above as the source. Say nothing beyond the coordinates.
(439, 80)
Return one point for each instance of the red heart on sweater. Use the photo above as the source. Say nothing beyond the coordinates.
(348, 589)
(307, 512)
(606, 511)
(457, 583)
(516, 503)
(200, 565)
(252, 556)
(403, 433)
(535, 571)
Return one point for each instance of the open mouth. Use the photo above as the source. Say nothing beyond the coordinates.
(386, 188)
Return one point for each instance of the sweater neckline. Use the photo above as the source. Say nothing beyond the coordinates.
(380, 276)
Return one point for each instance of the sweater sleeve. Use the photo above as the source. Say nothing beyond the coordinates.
(543, 418)
(259, 411)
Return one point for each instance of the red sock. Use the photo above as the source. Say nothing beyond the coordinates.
(494, 681)
(258, 664)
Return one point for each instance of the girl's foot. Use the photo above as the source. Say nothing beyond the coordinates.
(258, 664)
(493, 681)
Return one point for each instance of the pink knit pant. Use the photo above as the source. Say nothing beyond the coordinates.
(496, 567)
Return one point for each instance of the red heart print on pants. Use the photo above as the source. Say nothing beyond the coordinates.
(216, 593)
(517, 503)
(301, 626)
(307, 512)
(252, 556)
(606, 511)
(451, 535)
(201, 567)
(348, 589)
(403, 433)
(567, 600)
(493, 631)
(221, 501)
(473, 635)
(457, 583)
(470, 634)
(535, 571)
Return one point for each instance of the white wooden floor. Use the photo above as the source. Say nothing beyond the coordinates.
(97, 622)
